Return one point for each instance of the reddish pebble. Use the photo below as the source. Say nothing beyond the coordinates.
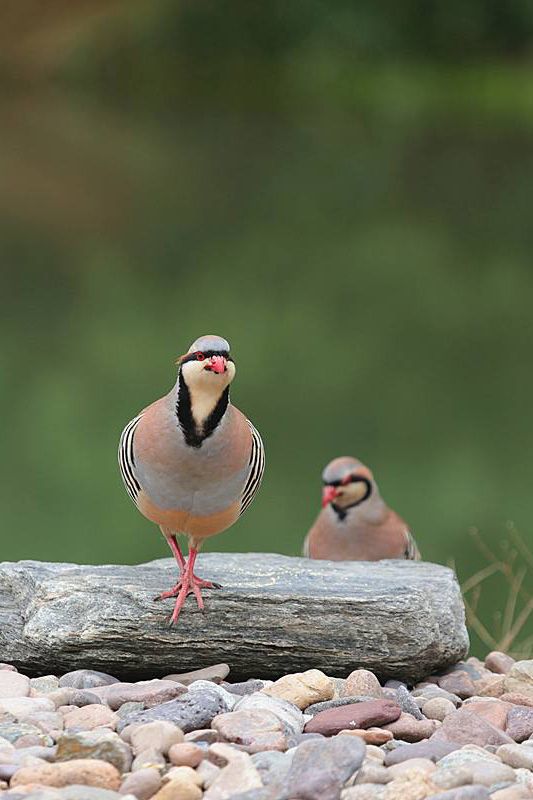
(186, 754)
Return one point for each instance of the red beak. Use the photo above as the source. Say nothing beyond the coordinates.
(217, 363)
(329, 493)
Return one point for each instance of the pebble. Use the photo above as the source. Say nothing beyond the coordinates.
(424, 765)
(92, 716)
(451, 777)
(22, 706)
(362, 682)
(86, 679)
(431, 749)
(238, 776)
(287, 712)
(87, 772)
(189, 712)
(375, 736)
(245, 687)
(499, 662)
(463, 793)
(179, 789)
(101, 744)
(254, 730)
(512, 793)
(410, 729)
(183, 773)
(520, 723)
(13, 684)
(492, 686)
(142, 784)
(372, 772)
(44, 685)
(516, 756)
(272, 766)
(217, 673)
(519, 678)
(407, 703)
(358, 715)
(159, 735)
(151, 757)
(186, 754)
(517, 699)
(466, 727)
(438, 708)
(149, 693)
(427, 692)
(13, 731)
(458, 683)
(302, 688)
(494, 711)
(336, 702)
(320, 767)
(207, 771)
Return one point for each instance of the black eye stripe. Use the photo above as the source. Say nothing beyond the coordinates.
(206, 354)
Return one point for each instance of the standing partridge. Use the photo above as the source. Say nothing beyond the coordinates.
(192, 462)
(355, 524)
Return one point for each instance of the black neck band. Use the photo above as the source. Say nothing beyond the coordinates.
(194, 436)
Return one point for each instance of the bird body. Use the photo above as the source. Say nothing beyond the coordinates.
(355, 523)
(191, 461)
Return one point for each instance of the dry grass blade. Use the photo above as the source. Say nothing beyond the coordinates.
(512, 568)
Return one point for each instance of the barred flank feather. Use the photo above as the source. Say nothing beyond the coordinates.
(257, 468)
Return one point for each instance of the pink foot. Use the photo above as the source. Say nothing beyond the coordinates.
(196, 581)
(188, 582)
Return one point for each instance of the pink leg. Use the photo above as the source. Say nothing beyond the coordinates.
(180, 560)
(191, 583)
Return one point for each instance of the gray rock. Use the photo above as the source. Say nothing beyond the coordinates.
(86, 679)
(346, 608)
(429, 749)
(244, 687)
(102, 744)
(406, 702)
(463, 793)
(291, 716)
(272, 766)
(320, 767)
(14, 730)
(191, 711)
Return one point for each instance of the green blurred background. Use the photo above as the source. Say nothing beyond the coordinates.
(344, 190)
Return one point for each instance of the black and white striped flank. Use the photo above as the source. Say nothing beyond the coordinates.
(411, 550)
(126, 459)
(257, 468)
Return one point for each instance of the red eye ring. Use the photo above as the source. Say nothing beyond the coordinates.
(200, 356)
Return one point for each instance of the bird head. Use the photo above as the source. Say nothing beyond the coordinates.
(347, 482)
(207, 364)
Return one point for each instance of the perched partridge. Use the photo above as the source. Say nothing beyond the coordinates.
(355, 524)
(191, 461)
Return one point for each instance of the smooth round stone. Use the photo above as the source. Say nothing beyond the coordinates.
(488, 774)
(451, 777)
(375, 736)
(88, 772)
(186, 754)
(362, 681)
(424, 765)
(406, 702)
(89, 717)
(86, 679)
(516, 756)
(179, 789)
(499, 662)
(303, 688)
(158, 735)
(244, 687)
(44, 685)
(142, 784)
(13, 684)
(372, 772)
(438, 708)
